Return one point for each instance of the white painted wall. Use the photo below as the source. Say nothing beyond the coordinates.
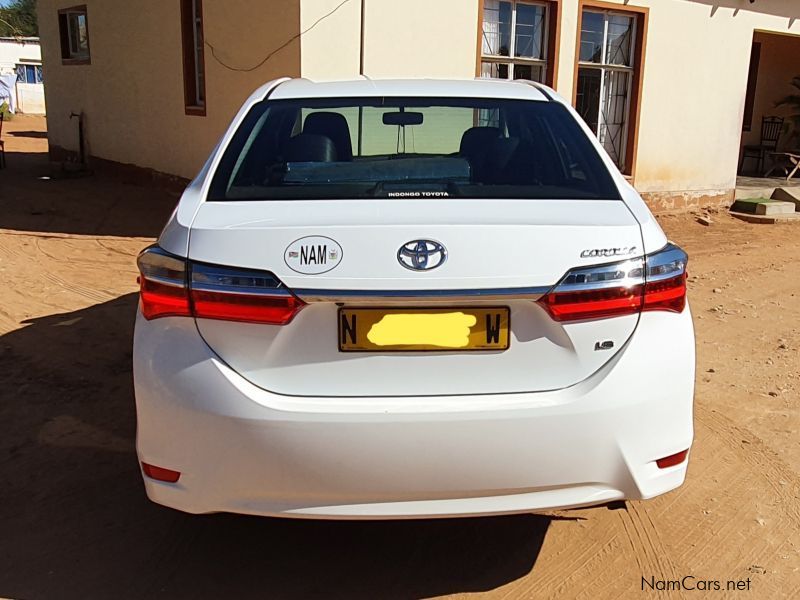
(30, 96)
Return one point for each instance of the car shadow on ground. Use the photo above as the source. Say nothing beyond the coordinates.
(75, 521)
(29, 134)
(36, 196)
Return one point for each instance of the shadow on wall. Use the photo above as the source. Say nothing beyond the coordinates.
(778, 8)
(76, 523)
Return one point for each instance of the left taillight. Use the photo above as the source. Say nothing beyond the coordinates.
(233, 294)
(173, 286)
(163, 288)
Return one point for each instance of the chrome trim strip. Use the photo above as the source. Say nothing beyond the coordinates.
(373, 296)
(631, 269)
(178, 283)
(247, 291)
(217, 278)
(627, 282)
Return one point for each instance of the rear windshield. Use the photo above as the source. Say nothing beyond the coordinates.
(410, 148)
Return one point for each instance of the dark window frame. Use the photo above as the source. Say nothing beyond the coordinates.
(67, 57)
(641, 15)
(752, 86)
(194, 76)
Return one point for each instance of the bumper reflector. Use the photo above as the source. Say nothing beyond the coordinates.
(160, 473)
(672, 459)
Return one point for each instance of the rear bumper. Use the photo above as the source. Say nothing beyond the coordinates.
(242, 449)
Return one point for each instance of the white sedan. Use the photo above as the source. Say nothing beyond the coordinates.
(411, 298)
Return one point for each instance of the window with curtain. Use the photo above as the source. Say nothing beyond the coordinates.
(29, 73)
(514, 40)
(605, 77)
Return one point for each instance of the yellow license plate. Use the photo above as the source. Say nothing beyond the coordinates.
(421, 329)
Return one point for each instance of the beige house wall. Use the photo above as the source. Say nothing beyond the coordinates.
(331, 44)
(413, 38)
(420, 38)
(694, 78)
(132, 95)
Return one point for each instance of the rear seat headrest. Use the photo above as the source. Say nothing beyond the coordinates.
(309, 147)
(333, 125)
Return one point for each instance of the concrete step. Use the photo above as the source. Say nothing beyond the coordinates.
(768, 219)
(763, 206)
(776, 207)
(788, 195)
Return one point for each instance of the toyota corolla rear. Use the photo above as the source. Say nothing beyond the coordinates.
(410, 299)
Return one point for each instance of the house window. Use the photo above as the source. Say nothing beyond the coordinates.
(194, 77)
(608, 77)
(516, 41)
(73, 28)
(29, 74)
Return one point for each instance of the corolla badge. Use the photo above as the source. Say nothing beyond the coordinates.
(422, 255)
(313, 255)
(598, 252)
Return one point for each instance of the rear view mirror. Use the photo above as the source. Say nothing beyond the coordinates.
(402, 118)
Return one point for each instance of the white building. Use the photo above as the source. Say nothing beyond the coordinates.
(22, 57)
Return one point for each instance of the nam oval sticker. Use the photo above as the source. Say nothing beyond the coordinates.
(313, 255)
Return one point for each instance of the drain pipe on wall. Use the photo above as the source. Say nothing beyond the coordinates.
(81, 140)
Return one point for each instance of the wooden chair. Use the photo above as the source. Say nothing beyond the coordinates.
(789, 161)
(771, 130)
(2, 144)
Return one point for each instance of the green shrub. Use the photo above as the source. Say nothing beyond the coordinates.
(7, 115)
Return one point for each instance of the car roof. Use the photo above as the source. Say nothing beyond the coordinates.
(444, 88)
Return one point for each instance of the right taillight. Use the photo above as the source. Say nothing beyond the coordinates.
(173, 286)
(665, 286)
(655, 282)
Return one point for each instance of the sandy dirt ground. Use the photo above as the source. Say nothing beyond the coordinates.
(75, 523)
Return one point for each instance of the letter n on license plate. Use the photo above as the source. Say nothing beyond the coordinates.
(423, 329)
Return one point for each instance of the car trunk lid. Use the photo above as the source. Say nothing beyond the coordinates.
(500, 253)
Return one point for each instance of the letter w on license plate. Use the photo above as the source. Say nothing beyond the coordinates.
(423, 329)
